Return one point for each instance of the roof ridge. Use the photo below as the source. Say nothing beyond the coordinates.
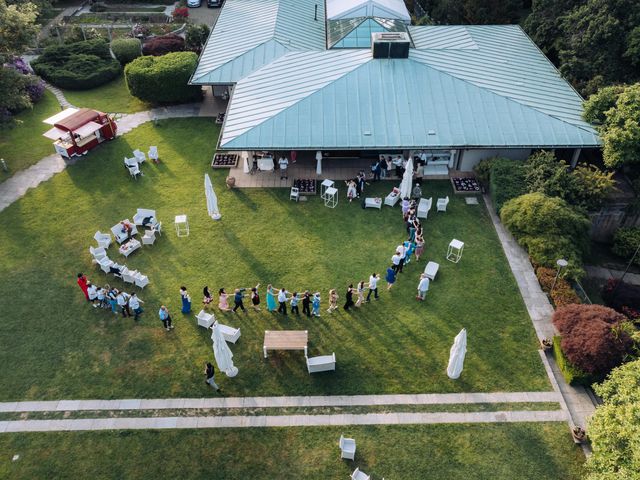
(506, 97)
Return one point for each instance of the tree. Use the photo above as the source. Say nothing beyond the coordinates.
(620, 132)
(601, 102)
(594, 338)
(196, 36)
(473, 12)
(614, 428)
(17, 28)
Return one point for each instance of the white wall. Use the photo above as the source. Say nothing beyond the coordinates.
(470, 158)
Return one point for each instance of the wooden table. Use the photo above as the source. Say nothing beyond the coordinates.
(285, 340)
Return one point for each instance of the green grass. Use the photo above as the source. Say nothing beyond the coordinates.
(23, 145)
(112, 97)
(487, 451)
(57, 346)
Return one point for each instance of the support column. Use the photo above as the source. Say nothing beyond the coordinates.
(576, 157)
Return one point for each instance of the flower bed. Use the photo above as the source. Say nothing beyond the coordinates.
(465, 185)
(224, 160)
(305, 185)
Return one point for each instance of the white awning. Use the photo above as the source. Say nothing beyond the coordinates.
(55, 133)
(60, 116)
(87, 129)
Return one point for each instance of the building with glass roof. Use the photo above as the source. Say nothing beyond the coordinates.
(354, 75)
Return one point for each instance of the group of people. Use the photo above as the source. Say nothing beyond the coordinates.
(107, 297)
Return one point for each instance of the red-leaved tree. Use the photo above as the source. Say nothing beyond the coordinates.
(162, 45)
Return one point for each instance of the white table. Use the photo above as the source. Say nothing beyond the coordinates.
(265, 164)
(454, 252)
(331, 197)
(373, 203)
(324, 185)
(129, 247)
(182, 225)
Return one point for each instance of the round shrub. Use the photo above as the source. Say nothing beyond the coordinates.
(77, 66)
(163, 79)
(126, 49)
(162, 45)
(625, 242)
(593, 337)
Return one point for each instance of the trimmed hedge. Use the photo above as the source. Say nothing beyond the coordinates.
(571, 374)
(126, 49)
(507, 181)
(77, 66)
(163, 79)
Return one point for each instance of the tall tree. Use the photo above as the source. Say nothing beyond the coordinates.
(614, 429)
(17, 27)
(474, 12)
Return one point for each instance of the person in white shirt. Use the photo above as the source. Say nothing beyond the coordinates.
(423, 287)
(282, 300)
(92, 291)
(134, 303)
(396, 261)
(283, 162)
(402, 251)
(373, 286)
(123, 303)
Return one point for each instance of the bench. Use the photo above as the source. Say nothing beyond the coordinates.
(323, 363)
(431, 270)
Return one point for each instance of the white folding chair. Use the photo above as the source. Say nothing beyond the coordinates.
(134, 171)
(140, 156)
(295, 194)
(103, 239)
(153, 153)
(347, 448)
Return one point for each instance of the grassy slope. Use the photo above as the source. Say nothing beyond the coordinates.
(490, 451)
(56, 346)
(112, 97)
(24, 145)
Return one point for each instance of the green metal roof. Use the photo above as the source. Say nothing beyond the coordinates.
(252, 33)
(481, 86)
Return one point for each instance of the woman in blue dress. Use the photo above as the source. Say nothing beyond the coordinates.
(271, 299)
(186, 300)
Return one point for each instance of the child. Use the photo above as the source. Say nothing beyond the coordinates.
(306, 301)
(255, 298)
(333, 300)
(294, 303)
(315, 302)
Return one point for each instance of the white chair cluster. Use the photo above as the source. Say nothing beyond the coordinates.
(133, 164)
(143, 214)
(101, 258)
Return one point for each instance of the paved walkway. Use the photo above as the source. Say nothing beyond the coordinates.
(279, 402)
(576, 400)
(257, 421)
(609, 273)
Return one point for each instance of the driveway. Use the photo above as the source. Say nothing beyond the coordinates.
(205, 15)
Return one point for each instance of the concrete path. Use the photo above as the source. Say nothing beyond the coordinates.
(605, 274)
(278, 421)
(279, 402)
(576, 400)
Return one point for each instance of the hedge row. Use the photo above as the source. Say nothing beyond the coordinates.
(77, 66)
(507, 180)
(571, 374)
(163, 79)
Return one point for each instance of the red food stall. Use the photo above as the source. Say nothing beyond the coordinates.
(76, 131)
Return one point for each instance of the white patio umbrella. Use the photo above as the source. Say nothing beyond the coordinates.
(212, 199)
(407, 180)
(456, 355)
(319, 162)
(245, 164)
(222, 352)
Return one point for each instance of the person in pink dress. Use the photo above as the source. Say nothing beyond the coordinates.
(223, 303)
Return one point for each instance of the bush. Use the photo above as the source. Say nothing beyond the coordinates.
(594, 339)
(626, 241)
(162, 45)
(571, 374)
(163, 79)
(483, 170)
(623, 297)
(180, 13)
(507, 181)
(196, 36)
(77, 66)
(549, 228)
(562, 293)
(598, 103)
(126, 49)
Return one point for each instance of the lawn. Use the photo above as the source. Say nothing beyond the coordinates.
(57, 346)
(479, 451)
(24, 145)
(112, 97)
